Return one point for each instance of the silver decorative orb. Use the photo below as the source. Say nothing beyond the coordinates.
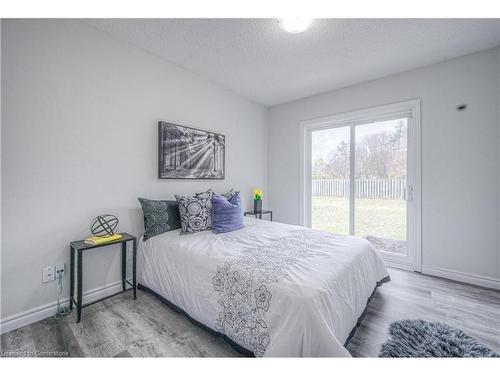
(104, 225)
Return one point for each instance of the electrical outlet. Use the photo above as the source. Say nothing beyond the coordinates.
(48, 274)
(60, 269)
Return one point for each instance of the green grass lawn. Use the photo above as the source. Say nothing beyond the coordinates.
(378, 217)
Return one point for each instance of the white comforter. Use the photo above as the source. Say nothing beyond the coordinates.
(275, 289)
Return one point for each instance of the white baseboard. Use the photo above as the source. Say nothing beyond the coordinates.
(400, 266)
(487, 282)
(42, 312)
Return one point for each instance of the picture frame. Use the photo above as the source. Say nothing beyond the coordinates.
(189, 153)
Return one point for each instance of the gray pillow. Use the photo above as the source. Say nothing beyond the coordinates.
(159, 216)
(229, 194)
(206, 199)
(195, 212)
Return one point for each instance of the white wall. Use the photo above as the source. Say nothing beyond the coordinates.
(460, 156)
(79, 138)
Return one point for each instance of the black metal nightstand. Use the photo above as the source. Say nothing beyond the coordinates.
(259, 214)
(80, 247)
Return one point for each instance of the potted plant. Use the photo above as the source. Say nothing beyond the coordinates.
(257, 200)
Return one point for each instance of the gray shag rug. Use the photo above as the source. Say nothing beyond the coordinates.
(419, 338)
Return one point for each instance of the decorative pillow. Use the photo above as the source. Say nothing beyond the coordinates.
(229, 194)
(227, 213)
(197, 218)
(159, 216)
(194, 215)
(206, 199)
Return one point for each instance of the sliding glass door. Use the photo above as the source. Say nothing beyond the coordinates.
(359, 183)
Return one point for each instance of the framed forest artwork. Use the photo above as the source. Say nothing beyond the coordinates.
(188, 153)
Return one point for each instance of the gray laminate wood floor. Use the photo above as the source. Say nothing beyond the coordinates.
(122, 327)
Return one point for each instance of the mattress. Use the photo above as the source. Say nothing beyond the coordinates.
(276, 290)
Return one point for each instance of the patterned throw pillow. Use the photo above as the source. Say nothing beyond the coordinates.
(195, 212)
(229, 194)
(159, 216)
(206, 199)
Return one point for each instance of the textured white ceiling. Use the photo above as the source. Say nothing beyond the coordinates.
(256, 58)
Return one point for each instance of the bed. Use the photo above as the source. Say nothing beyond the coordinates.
(272, 289)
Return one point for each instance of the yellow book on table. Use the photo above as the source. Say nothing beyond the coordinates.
(93, 240)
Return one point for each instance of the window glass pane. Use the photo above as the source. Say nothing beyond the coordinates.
(380, 178)
(330, 179)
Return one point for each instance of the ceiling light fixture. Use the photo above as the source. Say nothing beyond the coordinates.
(295, 25)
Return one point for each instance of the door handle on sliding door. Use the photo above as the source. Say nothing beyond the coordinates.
(408, 193)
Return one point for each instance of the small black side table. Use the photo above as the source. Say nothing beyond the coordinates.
(80, 247)
(259, 214)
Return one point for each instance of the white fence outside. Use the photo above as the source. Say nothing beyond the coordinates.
(385, 188)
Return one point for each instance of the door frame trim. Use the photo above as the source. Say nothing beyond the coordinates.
(408, 108)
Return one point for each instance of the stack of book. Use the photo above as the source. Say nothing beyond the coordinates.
(93, 240)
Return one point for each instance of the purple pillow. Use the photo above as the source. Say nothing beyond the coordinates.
(227, 214)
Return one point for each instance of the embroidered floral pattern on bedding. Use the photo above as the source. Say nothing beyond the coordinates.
(243, 286)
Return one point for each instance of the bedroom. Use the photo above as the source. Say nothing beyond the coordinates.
(335, 180)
